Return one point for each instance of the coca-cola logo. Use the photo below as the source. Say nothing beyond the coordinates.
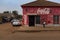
(43, 11)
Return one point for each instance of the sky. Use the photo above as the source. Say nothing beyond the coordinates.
(11, 5)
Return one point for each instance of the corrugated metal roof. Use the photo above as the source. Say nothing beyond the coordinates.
(41, 3)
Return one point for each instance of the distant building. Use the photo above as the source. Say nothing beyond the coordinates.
(35, 13)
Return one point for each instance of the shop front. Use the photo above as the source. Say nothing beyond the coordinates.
(35, 15)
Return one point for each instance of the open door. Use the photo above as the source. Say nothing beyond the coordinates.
(31, 20)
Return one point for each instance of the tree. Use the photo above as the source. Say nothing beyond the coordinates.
(15, 13)
(6, 12)
(20, 16)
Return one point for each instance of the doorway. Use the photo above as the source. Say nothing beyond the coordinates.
(31, 20)
(37, 18)
(55, 19)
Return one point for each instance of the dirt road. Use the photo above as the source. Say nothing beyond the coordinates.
(5, 34)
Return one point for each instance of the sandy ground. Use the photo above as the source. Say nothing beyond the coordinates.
(5, 34)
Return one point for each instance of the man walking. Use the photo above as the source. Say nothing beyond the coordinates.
(44, 23)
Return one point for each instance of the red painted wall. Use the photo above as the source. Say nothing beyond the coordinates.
(33, 10)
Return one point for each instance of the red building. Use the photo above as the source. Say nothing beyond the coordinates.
(35, 13)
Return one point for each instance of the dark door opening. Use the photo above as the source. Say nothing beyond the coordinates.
(56, 19)
(37, 19)
(31, 20)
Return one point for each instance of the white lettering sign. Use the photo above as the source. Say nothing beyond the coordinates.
(43, 11)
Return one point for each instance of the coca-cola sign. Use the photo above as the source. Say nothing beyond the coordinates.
(43, 10)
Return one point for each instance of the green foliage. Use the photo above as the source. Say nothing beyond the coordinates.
(15, 12)
(6, 12)
(20, 16)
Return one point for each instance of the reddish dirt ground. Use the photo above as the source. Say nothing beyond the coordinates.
(5, 34)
